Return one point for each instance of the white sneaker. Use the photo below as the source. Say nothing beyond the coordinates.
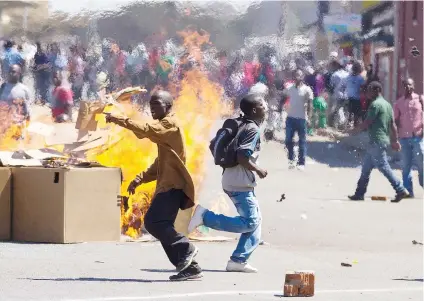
(196, 219)
(240, 267)
(301, 167)
(292, 165)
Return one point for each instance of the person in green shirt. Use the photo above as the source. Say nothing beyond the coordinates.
(164, 68)
(382, 133)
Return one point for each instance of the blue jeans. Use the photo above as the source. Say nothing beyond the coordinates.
(376, 157)
(412, 149)
(294, 125)
(248, 223)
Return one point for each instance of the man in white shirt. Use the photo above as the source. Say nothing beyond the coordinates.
(300, 98)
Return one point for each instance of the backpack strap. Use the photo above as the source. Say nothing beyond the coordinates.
(3, 85)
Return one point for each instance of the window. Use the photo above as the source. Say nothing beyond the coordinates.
(415, 10)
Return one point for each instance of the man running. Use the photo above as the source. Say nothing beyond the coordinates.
(238, 183)
(174, 188)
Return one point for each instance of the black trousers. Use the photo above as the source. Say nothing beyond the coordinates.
(159, 222)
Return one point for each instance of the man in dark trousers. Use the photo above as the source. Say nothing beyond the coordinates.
(174, 188)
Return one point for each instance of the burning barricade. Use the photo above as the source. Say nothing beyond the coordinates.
(198, 105)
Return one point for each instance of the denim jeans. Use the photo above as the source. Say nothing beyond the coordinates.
(376, 157)
(248, 223)
(412, 149)
(296, 125)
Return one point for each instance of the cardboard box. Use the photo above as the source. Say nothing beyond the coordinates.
(5, 202)
(66, 205)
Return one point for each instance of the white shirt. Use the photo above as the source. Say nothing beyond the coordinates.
(299, 97)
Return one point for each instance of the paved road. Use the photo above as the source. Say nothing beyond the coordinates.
(315, 228)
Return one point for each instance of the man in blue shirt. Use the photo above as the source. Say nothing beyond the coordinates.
(352, 87)
(10, 57)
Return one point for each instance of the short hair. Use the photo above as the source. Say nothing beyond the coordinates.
(9, 44)
(165, 96)
(249, 102)
(375, 86)
(405, 81)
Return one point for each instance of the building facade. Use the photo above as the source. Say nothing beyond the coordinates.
(409, 44)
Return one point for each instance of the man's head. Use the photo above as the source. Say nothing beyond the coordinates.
(253, 107)
(15, 72)
(356, 67)
(374, 90)
(298, 76)
(409, 86)
(335, 65)
(9, 44)
(161, 104)
(57, 78)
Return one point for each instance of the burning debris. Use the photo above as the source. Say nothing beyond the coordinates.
(198, 104)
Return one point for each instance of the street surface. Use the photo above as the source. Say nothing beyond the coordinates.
(314, 228)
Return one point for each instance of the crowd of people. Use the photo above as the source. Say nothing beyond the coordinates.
(339, 91)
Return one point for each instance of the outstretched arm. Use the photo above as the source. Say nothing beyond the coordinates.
(156, 131)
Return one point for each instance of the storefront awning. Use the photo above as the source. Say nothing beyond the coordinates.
(378, 34)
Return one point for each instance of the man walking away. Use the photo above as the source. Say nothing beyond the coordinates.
(238, 183)
(174, 188)
(300, 107)
(353, 86)
(382, 132)
(409, 120)
(42, 73)
(337, 91)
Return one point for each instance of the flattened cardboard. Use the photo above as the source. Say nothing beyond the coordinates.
(56, 205)
(87, 115)
(40, 128)
(17, 159)
(64, 133)
(5, 203)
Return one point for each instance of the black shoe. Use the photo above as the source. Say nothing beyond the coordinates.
(356, 197)
(186, 262)
(188, 274)
(400, 196)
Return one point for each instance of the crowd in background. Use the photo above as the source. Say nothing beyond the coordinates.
(62, 75)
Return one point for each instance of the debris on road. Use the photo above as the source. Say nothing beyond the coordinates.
(303, 216)
(414, 242)
(379, 198)
(346, 265)
(98, 261)
(283, 197)
(299, 284)
(264, 243)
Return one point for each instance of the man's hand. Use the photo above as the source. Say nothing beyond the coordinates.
(134, 184)
(262, 173)
(396, 146)
(110, 118)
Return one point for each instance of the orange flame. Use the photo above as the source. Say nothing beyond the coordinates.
(197, 106)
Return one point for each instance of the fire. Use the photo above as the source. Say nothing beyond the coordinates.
(198, 104)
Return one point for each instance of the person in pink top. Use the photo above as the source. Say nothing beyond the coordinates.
(408, 112)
